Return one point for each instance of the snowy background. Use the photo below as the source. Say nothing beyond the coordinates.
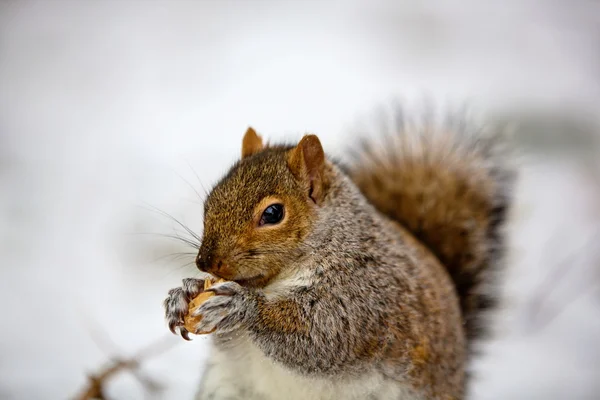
(110, 109)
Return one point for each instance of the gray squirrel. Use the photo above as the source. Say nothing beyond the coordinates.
(363, 280)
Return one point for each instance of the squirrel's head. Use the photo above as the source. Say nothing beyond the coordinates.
(257, 216)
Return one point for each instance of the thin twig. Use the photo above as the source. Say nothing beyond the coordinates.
(97, 382)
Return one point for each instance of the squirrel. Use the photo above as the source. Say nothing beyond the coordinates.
(351, 280)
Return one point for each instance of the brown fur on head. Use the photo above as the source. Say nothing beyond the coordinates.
(236, 245)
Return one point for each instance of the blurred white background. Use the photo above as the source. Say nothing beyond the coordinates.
(109, 108)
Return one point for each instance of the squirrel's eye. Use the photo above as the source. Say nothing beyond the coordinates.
(272, 214)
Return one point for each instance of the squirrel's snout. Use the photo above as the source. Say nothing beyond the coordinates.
(205, 257)
(211, 259)
(211, 265)
(202, 264)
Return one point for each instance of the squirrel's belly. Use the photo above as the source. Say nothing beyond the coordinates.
(243, 371)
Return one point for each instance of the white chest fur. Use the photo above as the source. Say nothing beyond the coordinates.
(242, 371)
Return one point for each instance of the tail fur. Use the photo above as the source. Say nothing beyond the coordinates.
(447, 180)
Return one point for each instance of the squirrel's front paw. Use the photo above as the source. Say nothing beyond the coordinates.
(231, 308)
(176, 305)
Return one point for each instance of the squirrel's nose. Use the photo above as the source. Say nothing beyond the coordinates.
(214, 266)
(202, 264)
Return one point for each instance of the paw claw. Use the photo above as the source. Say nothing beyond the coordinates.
(176, 304)
(184, 334)
(172, 326)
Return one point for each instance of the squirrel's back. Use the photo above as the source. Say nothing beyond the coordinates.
(448, 182)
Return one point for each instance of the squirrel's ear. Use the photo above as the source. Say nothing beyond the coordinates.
(251, 143)
(307, 163)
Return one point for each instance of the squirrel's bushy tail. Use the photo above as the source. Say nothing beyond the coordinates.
(447, 180)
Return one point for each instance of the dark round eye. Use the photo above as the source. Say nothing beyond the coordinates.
(272, 214)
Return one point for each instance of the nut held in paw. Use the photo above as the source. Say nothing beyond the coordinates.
(190, 322)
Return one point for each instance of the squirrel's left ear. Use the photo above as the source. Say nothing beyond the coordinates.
(251, 143)
(307, 163)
